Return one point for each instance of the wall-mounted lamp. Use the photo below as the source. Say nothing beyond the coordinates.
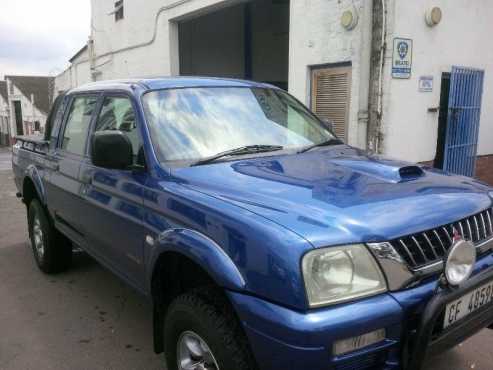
(433, 16)
(349, 20)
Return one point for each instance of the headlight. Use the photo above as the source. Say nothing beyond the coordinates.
(338, 274)
(460, 262)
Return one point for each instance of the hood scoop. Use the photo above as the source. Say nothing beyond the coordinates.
(387, 170)
(410, 172)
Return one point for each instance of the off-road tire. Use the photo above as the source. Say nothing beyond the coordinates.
(57, 255)
(206, 312)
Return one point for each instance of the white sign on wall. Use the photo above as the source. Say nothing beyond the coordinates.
(402, 57)
(426, 83)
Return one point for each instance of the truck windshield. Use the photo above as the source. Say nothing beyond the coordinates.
(190, 124)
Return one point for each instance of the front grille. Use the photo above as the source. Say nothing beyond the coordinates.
(427, 247)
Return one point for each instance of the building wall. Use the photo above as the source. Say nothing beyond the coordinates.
(78, 73)
(321, 40)
(462, 38)
(317, 38)
(4, 121)
(145, 43)
(30, 113)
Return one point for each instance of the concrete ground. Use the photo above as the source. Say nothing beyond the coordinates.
(87, 319)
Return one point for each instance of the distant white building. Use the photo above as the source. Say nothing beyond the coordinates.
(382, 70)
(29, 101)
(4, 114)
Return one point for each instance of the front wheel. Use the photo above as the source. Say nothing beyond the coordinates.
(202, 333)
(52, 251)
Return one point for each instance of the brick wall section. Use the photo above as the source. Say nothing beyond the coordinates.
(484, 168)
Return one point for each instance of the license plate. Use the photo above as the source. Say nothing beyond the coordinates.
(468, 303)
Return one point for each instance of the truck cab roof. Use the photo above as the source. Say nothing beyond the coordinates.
(168, 83)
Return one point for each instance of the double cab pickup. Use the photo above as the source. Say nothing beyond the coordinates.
(263, 241)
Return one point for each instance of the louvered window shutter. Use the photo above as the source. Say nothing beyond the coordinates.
(331, 96)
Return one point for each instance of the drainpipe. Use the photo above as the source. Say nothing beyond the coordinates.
(364, 66)
(378, 48)
(92, 58)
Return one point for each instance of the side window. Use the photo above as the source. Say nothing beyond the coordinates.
(117, 113)
(78, 121)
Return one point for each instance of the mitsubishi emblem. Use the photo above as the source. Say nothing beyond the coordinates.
(456, 235)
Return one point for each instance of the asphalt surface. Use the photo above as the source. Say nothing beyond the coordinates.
(88, 319)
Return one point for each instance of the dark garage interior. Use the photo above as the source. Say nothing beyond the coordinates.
(248, 40)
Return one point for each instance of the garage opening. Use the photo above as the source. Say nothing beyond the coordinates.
(248, 40)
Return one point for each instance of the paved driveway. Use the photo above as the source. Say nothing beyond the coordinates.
(87, 319)
(5, 163)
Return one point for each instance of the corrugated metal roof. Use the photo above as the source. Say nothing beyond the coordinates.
(40, 86)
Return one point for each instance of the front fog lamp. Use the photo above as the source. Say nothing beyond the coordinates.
(460, 262)
(344, 346)
(339, 274)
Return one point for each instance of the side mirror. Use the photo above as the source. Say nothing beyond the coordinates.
(111, 149)
(329, 123)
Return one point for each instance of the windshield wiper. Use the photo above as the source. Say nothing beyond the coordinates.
(323, 143)
(248, 149)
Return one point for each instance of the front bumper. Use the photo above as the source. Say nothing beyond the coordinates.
(282, 338)
(430, 339)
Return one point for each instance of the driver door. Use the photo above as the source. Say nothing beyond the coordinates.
(113, 198)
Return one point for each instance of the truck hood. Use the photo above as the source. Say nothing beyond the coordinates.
(340, 194)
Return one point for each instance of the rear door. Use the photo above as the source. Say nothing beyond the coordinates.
(113, 199)
(63, 187)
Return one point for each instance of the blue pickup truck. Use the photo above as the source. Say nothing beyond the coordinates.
(262, 240)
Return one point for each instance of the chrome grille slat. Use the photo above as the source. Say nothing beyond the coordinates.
(489, 221)
(483, 224)
(419, 248)
(461, 230)
(430, 246)
(470, 229)
(440, 240)
(477, 227)
(408, 252)
(446, 233)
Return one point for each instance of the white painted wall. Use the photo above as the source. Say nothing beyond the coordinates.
(462, 38)
(151, 27)
(317, 37)
(4, 116)
(78, 73)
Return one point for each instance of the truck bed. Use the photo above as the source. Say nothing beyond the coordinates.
(29, 153)
(32, 143)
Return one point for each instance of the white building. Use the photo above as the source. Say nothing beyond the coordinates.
(337, 56)
(29, 100)
(4, 114)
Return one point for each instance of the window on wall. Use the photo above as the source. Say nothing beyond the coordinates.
(118, 10)
(331, 96)
(77, 127)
